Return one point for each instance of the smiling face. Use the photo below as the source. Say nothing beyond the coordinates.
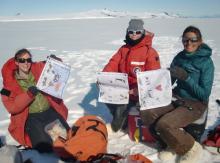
(191, 42)
(23, 62)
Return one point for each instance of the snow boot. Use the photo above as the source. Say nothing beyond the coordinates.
(120, 116)
(10, 154)
(193, 155)
(167, 155)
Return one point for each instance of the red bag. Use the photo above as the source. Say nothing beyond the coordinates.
(136, 130)
(213, 138)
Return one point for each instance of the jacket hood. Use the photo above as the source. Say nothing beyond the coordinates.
(146, 41)
(8, 70)
(203, 51)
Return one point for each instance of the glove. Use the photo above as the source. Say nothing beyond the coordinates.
(133, 92)
(55, 57)
(33, 90)
(178, 73)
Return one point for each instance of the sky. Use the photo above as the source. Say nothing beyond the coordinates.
(56, 7)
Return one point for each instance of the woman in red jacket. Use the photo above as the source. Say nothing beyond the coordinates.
(31, 110)
(136, 55)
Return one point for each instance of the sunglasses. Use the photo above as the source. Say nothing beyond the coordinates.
(193, 40)
(135, 32)
(23, 60)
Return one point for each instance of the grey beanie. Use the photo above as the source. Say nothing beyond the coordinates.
(135, 25)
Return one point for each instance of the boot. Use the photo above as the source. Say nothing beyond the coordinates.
(119, 118)
(193, 155)
(118, 122)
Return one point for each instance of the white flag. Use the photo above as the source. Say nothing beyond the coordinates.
(154, 88)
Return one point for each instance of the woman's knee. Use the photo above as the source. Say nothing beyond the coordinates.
(163, 125)
(148, 116)
(43, 147)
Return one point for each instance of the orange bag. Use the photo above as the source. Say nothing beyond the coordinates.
(87, 138)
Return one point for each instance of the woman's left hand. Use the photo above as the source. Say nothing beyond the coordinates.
(133, 92)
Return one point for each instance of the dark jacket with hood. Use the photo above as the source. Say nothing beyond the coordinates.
(200, 69)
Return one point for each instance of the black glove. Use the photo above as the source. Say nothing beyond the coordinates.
(55, 57)
(178, 73)
(33, 90)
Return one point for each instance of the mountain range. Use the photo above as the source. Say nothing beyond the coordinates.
(99, 14)
(91, 14)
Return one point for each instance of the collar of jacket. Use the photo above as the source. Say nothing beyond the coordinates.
(145, 41)
(203, 51)
(131, 42)
(8, 74)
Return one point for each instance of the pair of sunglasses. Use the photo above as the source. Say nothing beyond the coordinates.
(135, 32)
(193, 39)
(23, 60)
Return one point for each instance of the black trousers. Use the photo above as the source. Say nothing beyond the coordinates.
(35, 125)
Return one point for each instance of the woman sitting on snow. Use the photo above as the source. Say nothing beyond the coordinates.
(31, 110)
(193, 71)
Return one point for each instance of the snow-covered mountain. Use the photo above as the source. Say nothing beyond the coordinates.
(91, 14)
(106, 13)
(112, 13)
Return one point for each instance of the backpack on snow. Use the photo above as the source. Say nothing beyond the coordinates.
(87, 138)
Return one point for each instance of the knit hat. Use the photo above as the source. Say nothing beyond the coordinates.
(135, 25)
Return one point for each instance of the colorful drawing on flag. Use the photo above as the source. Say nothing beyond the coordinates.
(154, 88)
(54, 77)
(113, 87)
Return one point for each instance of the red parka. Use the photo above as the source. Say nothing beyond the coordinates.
(17, 101)
(131, 59)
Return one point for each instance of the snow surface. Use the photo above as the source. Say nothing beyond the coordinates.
(87, 45)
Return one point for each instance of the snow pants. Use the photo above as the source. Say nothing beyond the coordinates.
(168, 122)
